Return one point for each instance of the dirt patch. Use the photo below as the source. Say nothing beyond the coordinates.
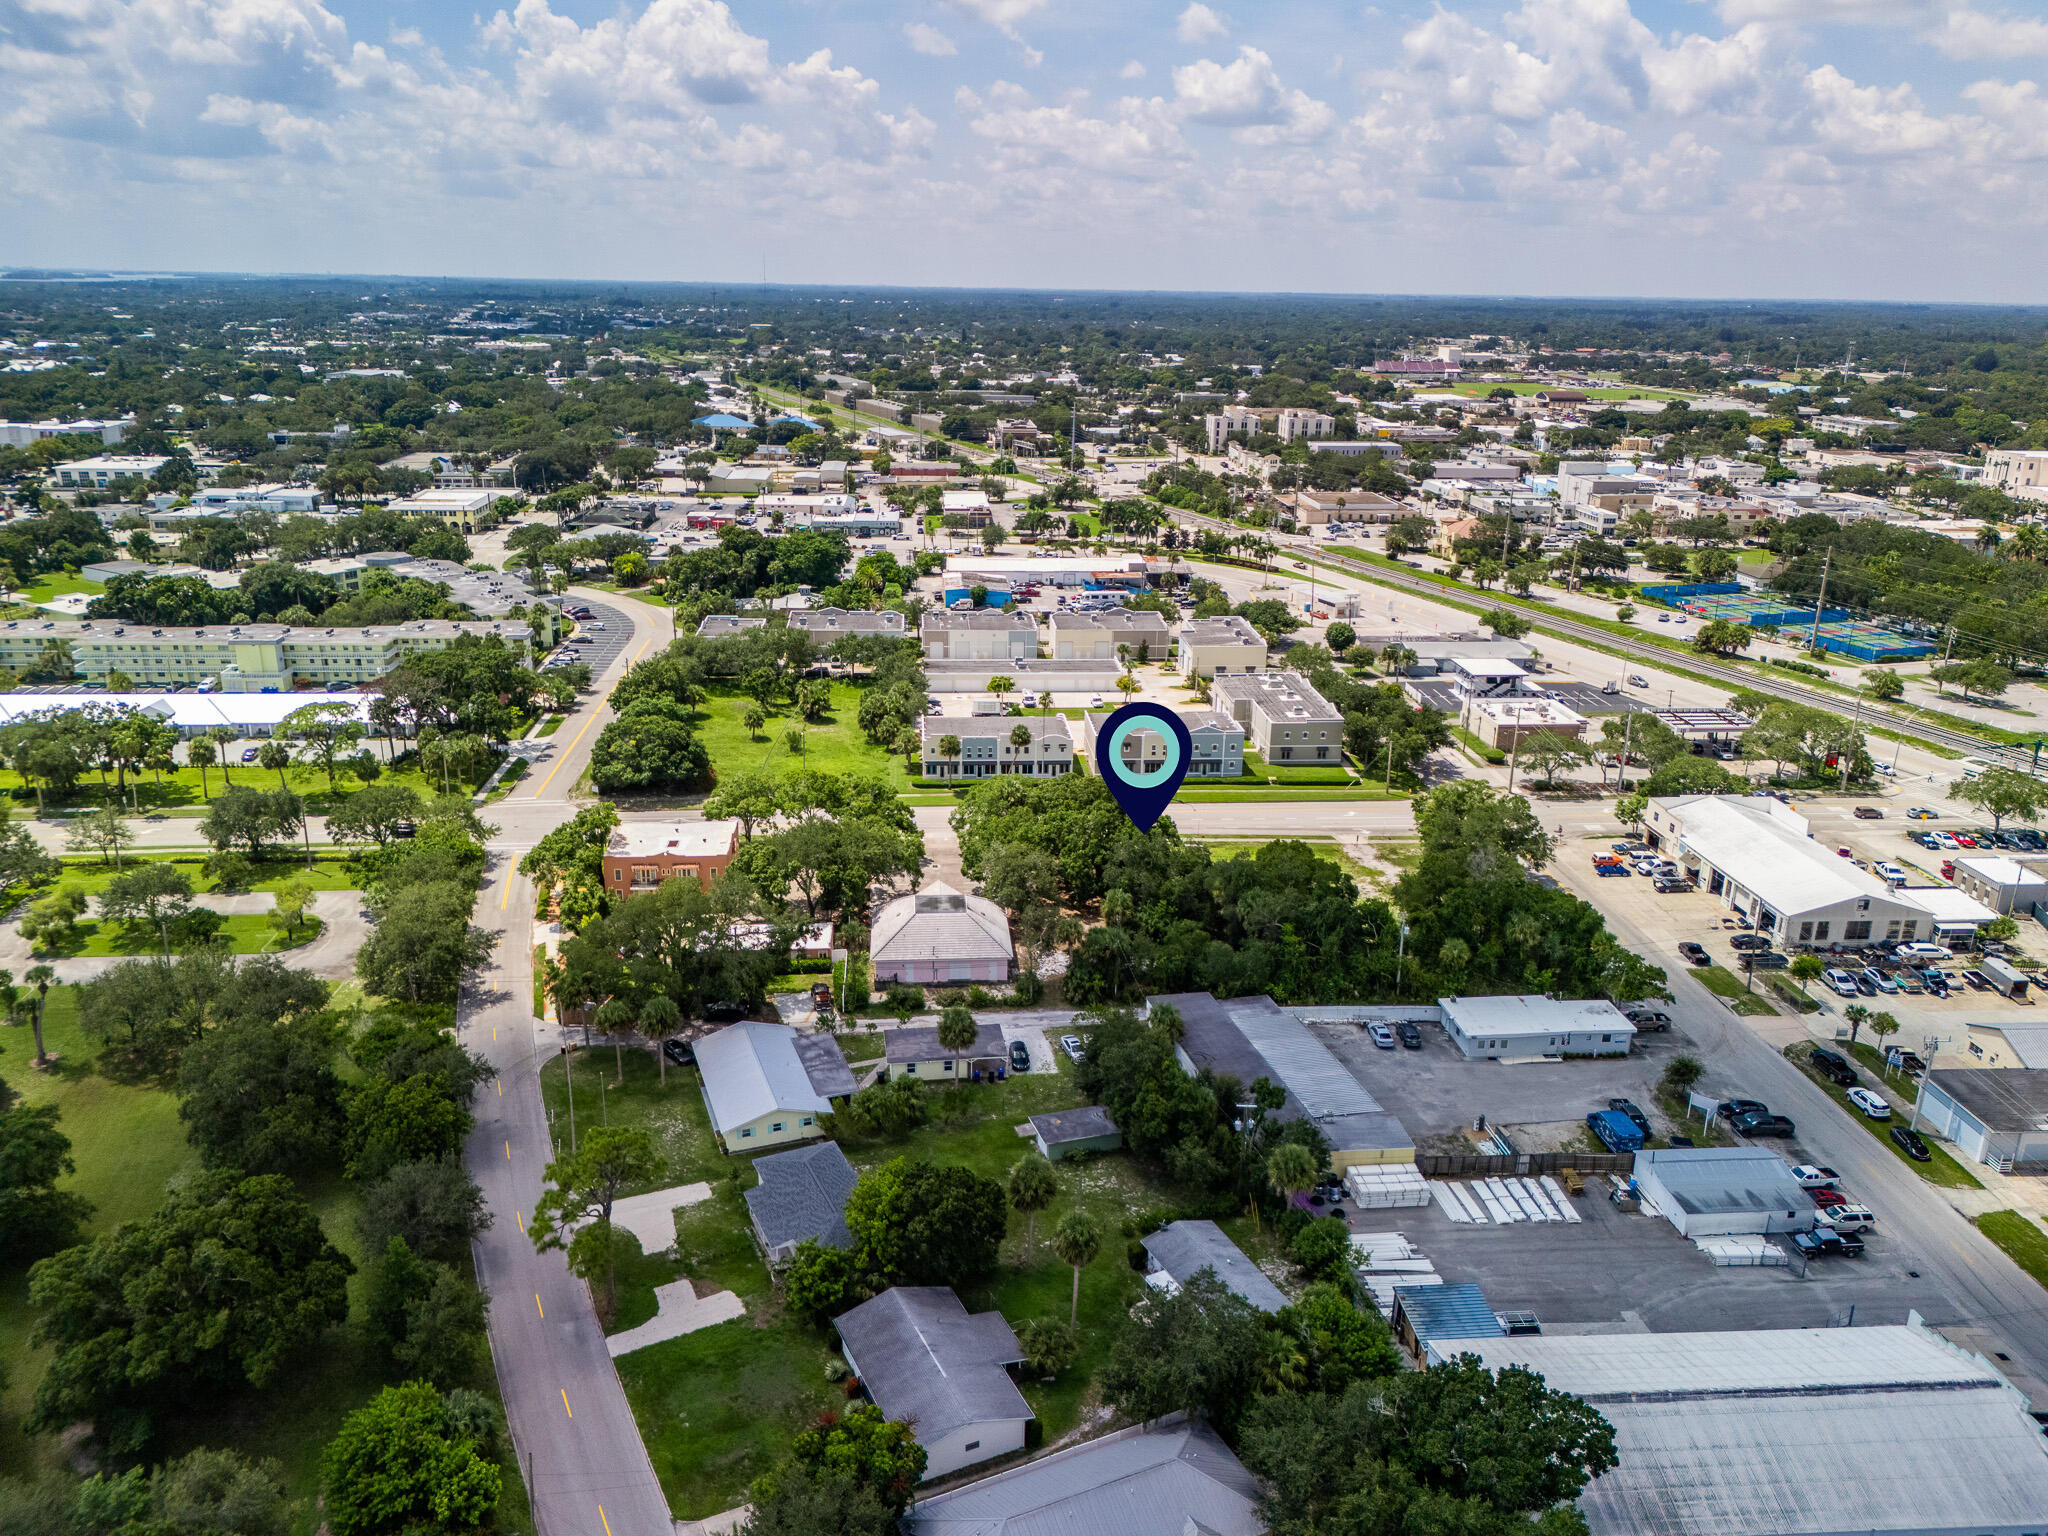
(1548, 1136)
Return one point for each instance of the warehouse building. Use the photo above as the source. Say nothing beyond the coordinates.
(1535, 1028)
(1797, 1432)
(1997, 1115)
(1248, 1038)
(1724, 1191)
(1759, 857)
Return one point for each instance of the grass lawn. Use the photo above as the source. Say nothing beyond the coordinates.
(187, 787)
(2023, 1241)
(550, 724)
(329, 871)
(1724, 983)
(834, 744)
(1942, 1169)
(59, 584)
(130, 1147)
(246, 933)
(1257, 767)
(1221, 848)
(1278, 792)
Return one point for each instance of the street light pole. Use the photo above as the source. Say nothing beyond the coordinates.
(569, 1079)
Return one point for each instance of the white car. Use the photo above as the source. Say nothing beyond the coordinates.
(1841, 982)
(1945, 840)
(1923, 951)
(1071, 1044)
(1869, 1103)
(1813, 1176)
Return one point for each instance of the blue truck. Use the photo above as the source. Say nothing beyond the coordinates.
(1616, 1131)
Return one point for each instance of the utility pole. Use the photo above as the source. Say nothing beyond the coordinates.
(1628, 729)
(1821, 602)
(568, 1078)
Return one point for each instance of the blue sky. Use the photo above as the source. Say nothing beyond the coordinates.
(1725, 148)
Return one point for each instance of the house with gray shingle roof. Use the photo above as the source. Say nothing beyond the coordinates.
(1067, 1132)
(802, 1194)
(940, 935)
(1180, 1250)
(926, 1361)
(1169, 1478)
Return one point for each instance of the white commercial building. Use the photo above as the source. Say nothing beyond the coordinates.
(2002, 884)
(1756, 854)
(1884, 1431)
(1220, 647)
(1724, 1191)
(2021, 472)
(1534, 1028)
(983, 636)
(100, 471)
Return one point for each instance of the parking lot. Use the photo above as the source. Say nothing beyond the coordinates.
(603, 645)
(1437, 1092)
(1631, 1270)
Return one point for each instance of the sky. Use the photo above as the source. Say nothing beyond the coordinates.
(1853, 149)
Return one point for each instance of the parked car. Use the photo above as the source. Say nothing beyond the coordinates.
(1696, 953)
(1923, 951)
(1815, 1176)
(1732, 1109)
(1020, 1056)
(248, 754)
(1908, 1141)
(1749, 941)
(1820, 1243)
(1628, 1107)
(1648, 1019)
(1879, 980)
(1410, 1036)
(1905, 1061)
(677, 1051)
(1764, 1125)
(1849, 1218)
(1839, 981)
(1666, 885)
(1834, 1068)
(1865, 987)
(1382, 1036)
(1765, 960)
(1872, 1105)
(404, 829)
(1869, 813)
(1071, 1044)
(1827, 1197)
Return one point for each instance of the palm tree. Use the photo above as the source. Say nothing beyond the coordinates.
(1128, 685)
(949, 746)
(1858, 1016)
(1020, 738)
(1076, 1240)
(1290, 1167)
(1031, 1186)
(957, 1032)
(660, 1018)
(202, 754)
(615, 1016)
(276, 755)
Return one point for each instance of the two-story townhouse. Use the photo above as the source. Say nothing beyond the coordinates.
(1216, 739)
(1284, 718)
(978, 636)
(988, 745)
(1222, 647)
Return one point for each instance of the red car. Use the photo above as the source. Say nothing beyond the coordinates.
(1828, 1197)
(1965, 841)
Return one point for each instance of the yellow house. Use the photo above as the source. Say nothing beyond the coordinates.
(765, 1085)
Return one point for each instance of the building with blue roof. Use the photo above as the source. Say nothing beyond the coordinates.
(725, 421)
(1424, 1314)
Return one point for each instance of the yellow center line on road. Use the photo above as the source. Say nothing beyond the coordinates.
(543, 1311)
(501, 1088)
(565, 1403)
(522, 1219)
(607, 1523)
(508, 1151)
(566, 752)
(506, 894)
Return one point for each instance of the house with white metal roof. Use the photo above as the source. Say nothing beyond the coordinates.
(1795, 1432)
(925, 1361)
(765, 1084)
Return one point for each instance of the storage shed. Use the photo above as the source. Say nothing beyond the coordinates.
(1070, 1131)
(1721, 1191)
(1425, 1314)
(1999, 1116)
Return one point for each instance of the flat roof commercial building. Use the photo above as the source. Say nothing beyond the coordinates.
(1795, 1432)
(100, 471)
(1248, 1038)
(1724, 1191)
(1534, 1028)
(1505, 722)
(457, 508)
(1220, 647)
(1757, 856)
(1999, 1116)
(1284, 719)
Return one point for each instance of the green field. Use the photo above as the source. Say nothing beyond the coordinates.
(1256, 767)
(329, 871)
(834, 744)
(2023, 1241)
(187, 788)
(58, 584)
(130, 1147)
(718, 1406)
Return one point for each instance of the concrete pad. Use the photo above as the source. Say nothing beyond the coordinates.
(652, 1217)
(716, 1525)
(679, 1310)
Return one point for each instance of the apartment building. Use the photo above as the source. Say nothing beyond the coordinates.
(241, 658)
(985, 747)
(826, 625)
(19, 434)
(2021, 472)
(1231, 421)
(1106, 636)
(100, 471)
(1294, 422)
(979, 636)
(641, 855)
(1221, 647)
(1284, 719)
(1217, 742)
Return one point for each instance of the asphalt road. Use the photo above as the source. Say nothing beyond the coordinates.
(587, 1468)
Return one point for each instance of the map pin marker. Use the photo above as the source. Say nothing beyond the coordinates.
(1143, 790)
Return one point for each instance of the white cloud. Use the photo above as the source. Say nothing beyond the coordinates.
(1247, 93)
(1004, 15)
(1198, 24)
(1132, 71)
(1964, 32)
(927, 39)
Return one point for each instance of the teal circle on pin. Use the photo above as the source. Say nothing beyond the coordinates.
(1143, 791)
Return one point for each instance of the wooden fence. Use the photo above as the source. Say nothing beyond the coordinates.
(1475, 1166)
